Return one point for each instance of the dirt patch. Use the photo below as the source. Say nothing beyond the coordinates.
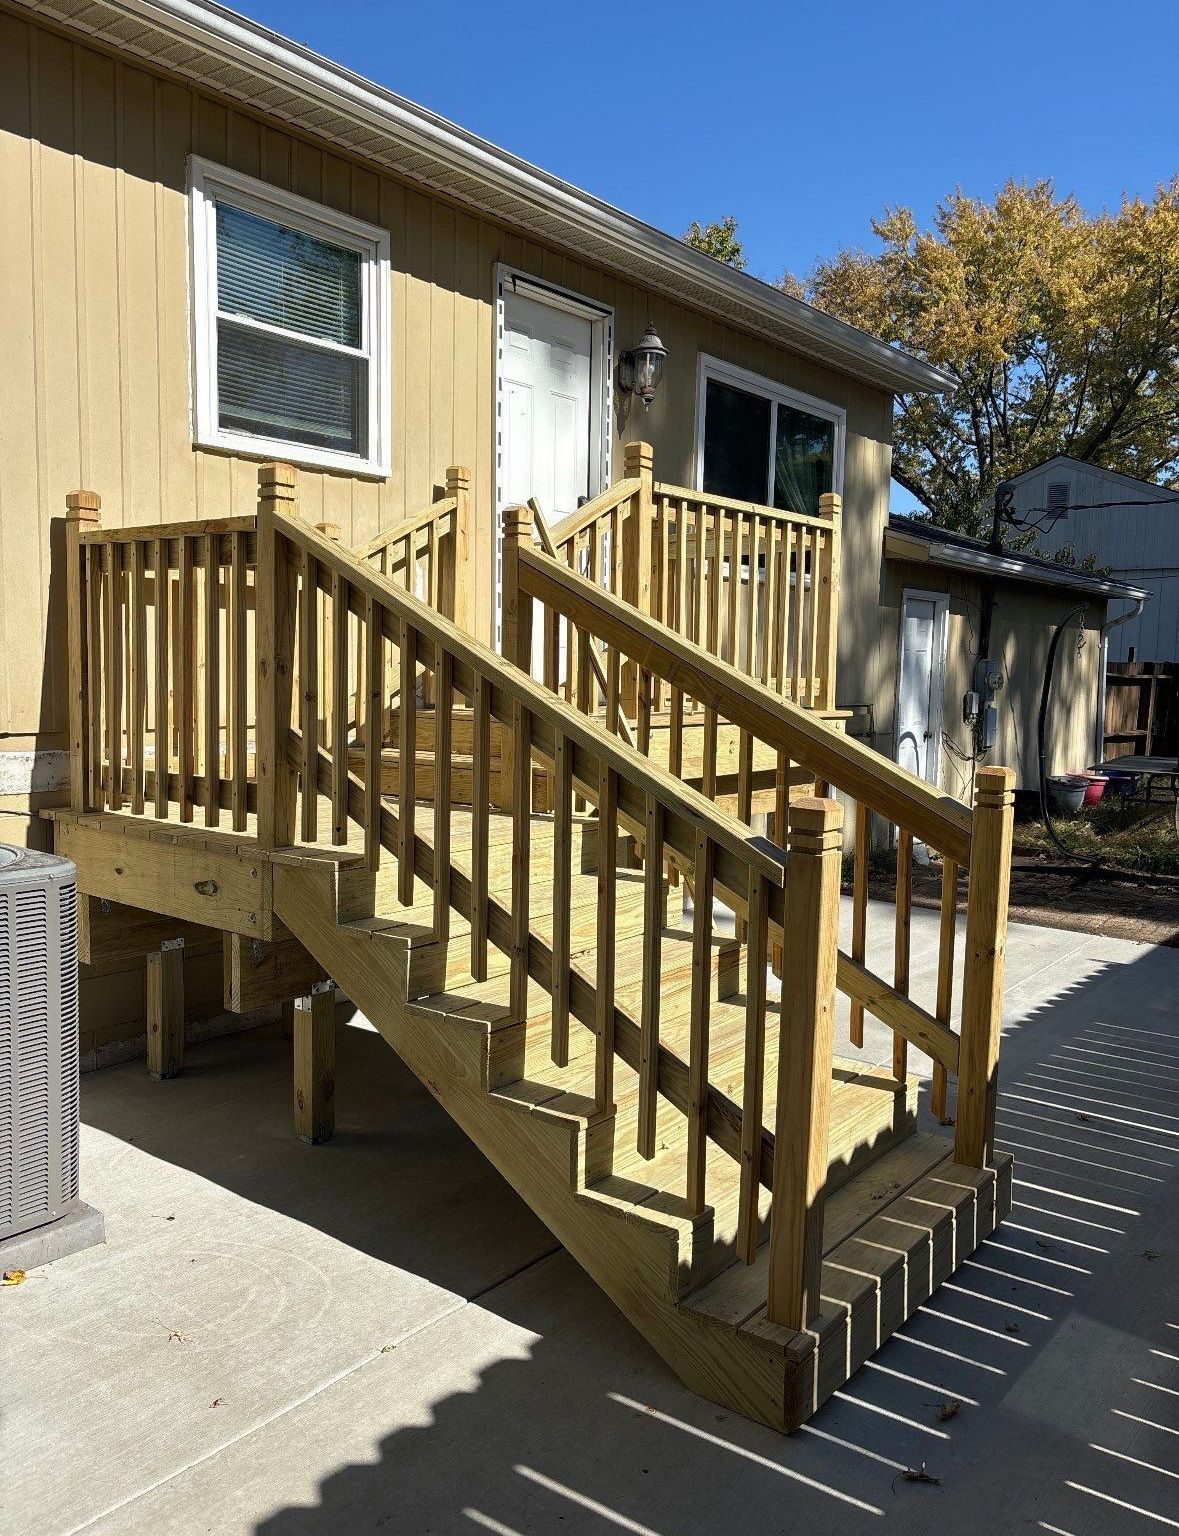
(1076, 900)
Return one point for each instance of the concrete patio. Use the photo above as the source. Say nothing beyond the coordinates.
(376, 1335)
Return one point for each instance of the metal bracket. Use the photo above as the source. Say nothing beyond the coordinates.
(169, 944)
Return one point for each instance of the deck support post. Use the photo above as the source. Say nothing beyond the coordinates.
(83, 510)
(516, 628)
(275, 603)
(982, 979)
(165, 1009)
(315, 1064)
(803, 1114)
(638, 464)
(831, 506)
(452, 587)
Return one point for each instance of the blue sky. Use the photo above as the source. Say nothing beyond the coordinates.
(804, 120)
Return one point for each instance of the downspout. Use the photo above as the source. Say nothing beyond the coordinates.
(1103, 672)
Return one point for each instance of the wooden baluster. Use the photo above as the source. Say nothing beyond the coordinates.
(830, 506)
(114, 675)
(325, 615)
(275, 599)
(781, 827)
(613, 689)
(456, 568)
(814, 663)
(339, 697)
(800, 603)
(137, 675)
(162, 581)
(638, 464)
(374, 676)
(945, 975)
(699, 630)
(900, 980)
(662, 534)
(675, 739)
(982, 981)
(653, 920)
(212, 680)
(734, 587)
(309, 692)
(562, 836)
(516, 641)
(407, 747)
(783, 613)
(802, 1116)
(753, 1091)
(753, 598)
(744, 800)
(773, 545)
(860, 910)
(708, 778)
(236, 622)
(443, 712)
(95, 690)
(521, 858)
(185, 696)
(605, 956)
(480, 811)
(83, 511)
(702, 888)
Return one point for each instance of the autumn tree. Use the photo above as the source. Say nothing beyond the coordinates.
(1059, 331)
(718, 240)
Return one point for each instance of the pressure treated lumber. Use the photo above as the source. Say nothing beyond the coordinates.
(315, 1063)
(165, 1009)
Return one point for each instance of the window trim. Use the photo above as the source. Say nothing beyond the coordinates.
(210, 183)
(708, 367)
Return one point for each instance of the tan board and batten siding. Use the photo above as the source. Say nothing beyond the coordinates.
(95, 348)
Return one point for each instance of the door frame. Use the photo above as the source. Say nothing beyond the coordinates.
(509, 279)
(937, 682)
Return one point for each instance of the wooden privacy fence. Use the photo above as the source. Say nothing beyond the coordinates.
(756, 585)
(793, 738)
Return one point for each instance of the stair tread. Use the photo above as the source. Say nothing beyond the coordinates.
(739, 1292)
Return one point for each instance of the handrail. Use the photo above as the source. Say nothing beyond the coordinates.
(980, 841)
(513, 687)
(938, 820)
(590, 511)
(729, 504)
(437, 512)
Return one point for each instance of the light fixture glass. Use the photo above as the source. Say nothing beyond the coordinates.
(642, 369)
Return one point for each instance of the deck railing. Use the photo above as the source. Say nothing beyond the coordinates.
(161, 641)
(770, 728)
(756, 585)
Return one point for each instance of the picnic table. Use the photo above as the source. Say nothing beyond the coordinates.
(1147, 768)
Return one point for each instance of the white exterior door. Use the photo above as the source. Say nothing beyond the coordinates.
(920, 683)
(550, 443)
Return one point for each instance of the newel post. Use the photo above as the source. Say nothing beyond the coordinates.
(516, 627)
(83, 510)
(638, 464)
(803, 1114)
(453, 583)
(830, 506)
(275, 605)
(982, 982)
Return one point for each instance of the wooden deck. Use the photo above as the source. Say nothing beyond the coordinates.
(495, 872)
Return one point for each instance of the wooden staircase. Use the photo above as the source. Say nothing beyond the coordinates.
(499, 888)
(675, 1274)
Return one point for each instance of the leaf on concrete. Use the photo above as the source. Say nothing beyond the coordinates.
(13, 1277)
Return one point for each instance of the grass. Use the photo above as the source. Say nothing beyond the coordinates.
(1133, 834)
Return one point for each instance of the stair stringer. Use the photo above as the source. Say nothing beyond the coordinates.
(542, 1155)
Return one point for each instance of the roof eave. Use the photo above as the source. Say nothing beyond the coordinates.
(225, 35)
(902, 545)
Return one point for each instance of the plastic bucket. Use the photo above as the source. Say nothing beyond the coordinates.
(1067, 792)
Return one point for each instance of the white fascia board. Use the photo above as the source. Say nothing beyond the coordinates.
(901, 546)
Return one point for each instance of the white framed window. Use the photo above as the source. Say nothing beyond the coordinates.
(763, 442)
(290, 321)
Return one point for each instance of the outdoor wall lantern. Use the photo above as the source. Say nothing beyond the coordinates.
(641, 370)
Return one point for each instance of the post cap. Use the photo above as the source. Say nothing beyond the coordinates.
(329, 531)
(276, 473)
(516, 519)
(458, 477)
(816, 825)
(637, 457)
(994, 787)
(830, 504)
(84, 505)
